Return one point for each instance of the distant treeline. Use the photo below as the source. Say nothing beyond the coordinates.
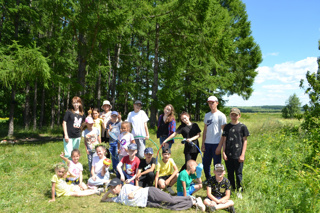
(262, 109)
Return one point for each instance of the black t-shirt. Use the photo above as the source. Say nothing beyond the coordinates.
(234, 139)
(219, 189)
(163, 129)
(74, 121)
(145, 166)
(189, 132)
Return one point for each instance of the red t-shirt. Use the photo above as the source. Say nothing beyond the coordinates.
(131, 166)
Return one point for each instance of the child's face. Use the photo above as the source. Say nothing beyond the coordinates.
(234, 117)
(148, 156)
(89, 125)
(114, 118)
(132, 152)
(100, 152)
(124, 128)
(75, 157)
(106, 107)
(136, 107)
(185, 119)
(61, 172)
(166, 156)
(116, 189)
(213, 105)
(193, 168)
(95, 114)
(167, 110)
(219, 174)
(76, 105)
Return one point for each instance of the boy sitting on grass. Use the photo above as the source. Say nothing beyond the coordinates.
(145, 175)
(166, 172)
(185, 187)
(131, 163)
(218, 191)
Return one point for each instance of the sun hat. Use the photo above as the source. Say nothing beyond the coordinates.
(106, 102)
(213, 99)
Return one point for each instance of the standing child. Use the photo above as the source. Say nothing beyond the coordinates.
(166, 172)
(105, 115)
(71, 125)
(98, 122)
(75, 169)
(166, 126)
(218, 191)
(138, 118)
(113, 127)
(191, 132)
(185, 187)
(145, 175)
(60, 186)
(99, 171)
(234, 140)
(91, 139)
(125, 138)
(131, 164)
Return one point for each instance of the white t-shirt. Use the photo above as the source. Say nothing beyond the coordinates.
(124, 141)
(137, 120)
(214, 121)
(91, 138)
(140, 197)
(76, 169)
(98, 164)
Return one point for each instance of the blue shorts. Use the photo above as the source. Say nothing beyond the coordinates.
(189, 191)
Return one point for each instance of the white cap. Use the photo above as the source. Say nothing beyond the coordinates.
(106, 102)
(213, 99)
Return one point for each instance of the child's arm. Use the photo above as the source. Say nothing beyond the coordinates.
(80, 180)
(156, 179)
(105, 197)
(210, 196)
(223, 138)
(184, 188)
(147, 131)
(218, 149)
(170, 137)
(109, 129)
(151, 169)
(103, 171)
(53, 192)
(203, 149)
(194, 138)
(132, 194)
(225, 198)
(244, 148)
(93, 174)
(64, 158)
(64, 127)
(137, 177)
(175, 172)
(119, 168)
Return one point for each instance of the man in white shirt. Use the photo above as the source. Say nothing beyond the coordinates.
(214, 122)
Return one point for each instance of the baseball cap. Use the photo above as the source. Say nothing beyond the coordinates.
(114, 182)
(235, 110)
(213, 99)
(106, 102)
(89, 120)
(114, 113)
(166, 151)
(138, 102)
(219, 167)
(148, 150)
(132, 146)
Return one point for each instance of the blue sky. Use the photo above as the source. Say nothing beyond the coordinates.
(287, 33)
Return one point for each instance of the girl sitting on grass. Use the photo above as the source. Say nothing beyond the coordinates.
(74, 175)
(60, 186)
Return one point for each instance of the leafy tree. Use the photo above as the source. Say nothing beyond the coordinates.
(292, 108)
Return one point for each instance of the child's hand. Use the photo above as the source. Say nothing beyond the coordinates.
(110, 127)
(122, 178)
(90, 112)
(131, 196)
(188, 140)
(146, 138)
(52, 200)
(66, 139)
(241, 159)
(225, 157)
(94, 177)
(62, 154)
(128, 181)
(167, 182)
(119, 116)
(203, 148)
(138, 176)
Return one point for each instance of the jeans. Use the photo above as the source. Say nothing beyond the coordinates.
(162, 138)
(114, 154)
(209, 154)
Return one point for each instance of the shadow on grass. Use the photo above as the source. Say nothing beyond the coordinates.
(32, 141)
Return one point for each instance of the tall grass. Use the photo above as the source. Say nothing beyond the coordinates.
(276, 173)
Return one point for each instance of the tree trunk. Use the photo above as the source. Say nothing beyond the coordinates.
(99, 81)
(82, 63)
(35, 105)
(52, 109)
(11, 116)
(109, 76)
(59, 105)
(153, 108)
(42, 107)
(27, 107)
(114, 73)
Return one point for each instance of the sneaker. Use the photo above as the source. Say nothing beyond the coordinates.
(169, 189)
(211, 208)
(200, 204)
(231, 209)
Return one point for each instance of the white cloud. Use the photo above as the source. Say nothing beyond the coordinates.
(270, 54)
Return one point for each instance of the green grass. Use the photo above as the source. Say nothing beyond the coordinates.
(275, 175)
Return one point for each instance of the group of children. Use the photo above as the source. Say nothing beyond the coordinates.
(135, 165)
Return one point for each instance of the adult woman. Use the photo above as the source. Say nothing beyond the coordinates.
(166, 125)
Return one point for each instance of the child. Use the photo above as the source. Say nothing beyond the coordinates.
(98, 122)
(191, 132)
(150, 196)
(131, 163)
(218, 191)
(166, 172)
(114, 127)
(185, 187)
(99, 171)
(145, 175)
(105, 116)
(91, 139)
(71, 125)
(138, 118)
(125, 138)
(166, 126)
(75, 169)
(60, 186)
(234, 138)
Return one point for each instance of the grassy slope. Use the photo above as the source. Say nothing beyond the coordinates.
(272, 160)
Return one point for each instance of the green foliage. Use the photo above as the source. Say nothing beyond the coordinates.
(292, 108)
